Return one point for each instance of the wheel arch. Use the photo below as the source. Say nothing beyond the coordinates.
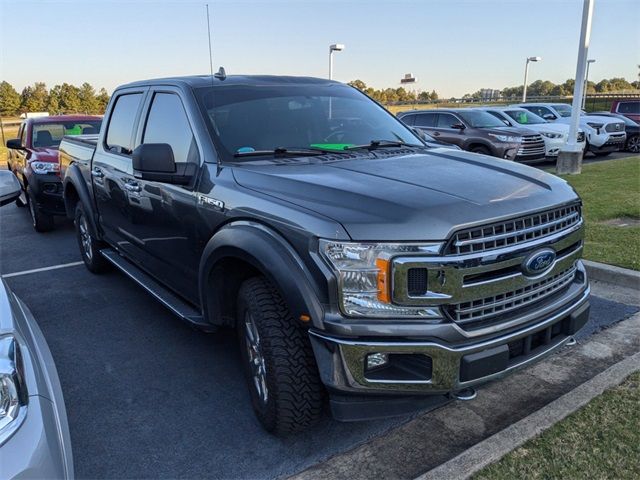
(241, 250)
(74, 191)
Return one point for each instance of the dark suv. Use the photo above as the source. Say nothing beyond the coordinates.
(477, 131)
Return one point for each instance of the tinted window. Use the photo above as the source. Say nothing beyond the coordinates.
(167, 123)
(123, 117)
(629, 107)
(50, 134)
(563, 109)
(497, 115)
(540, 111)
(408, 119)
(480, 119)
(524, 117)
(445, 120)
(426, 120)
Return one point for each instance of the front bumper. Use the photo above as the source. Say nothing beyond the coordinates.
(553, 145)
(607, 143)
(342, 361)
(47, 189)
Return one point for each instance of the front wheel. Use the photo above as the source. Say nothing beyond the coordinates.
(284, 384)
(41, 221)
(481, 149)
(89, 246)
(601, 154)
(633, 144)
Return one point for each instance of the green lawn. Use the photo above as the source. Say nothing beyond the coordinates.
(601, 440)
(611, 190)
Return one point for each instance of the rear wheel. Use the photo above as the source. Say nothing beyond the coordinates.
(284, 384)
(41, 221)
(89, 246)
(633, 144)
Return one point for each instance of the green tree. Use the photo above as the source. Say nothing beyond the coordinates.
(87, 97)
(53, 102)
(433, 95)
(359, 84)
(70, 98)
(34, 99)
(9, 99)
(103, 100)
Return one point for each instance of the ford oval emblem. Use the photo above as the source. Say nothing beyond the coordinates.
(538, 262)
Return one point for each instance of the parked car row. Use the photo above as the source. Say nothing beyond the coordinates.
(528, 132)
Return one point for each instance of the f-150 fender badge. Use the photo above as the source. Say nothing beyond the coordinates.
(211, 202)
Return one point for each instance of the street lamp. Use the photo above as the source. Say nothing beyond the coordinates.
(526, 75)
(336, 47)
(586, 82)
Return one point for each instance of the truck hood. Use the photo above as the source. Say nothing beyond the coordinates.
(592, 119)
(44, 154)
(418, 197)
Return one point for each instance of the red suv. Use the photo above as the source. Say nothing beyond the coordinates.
(628, 108)
(33, 158)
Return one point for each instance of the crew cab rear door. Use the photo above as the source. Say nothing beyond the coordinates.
(112, 170)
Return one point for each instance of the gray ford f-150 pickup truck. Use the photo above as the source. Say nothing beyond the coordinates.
(351, 258)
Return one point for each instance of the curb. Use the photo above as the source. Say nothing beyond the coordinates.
(495, 447)
(611, 274)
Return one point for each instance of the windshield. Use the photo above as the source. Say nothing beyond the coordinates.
(49, 135)
(563, 109)
(525, 117)
(480, 119)
(245, 118)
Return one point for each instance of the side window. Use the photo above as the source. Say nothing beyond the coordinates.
(121, 123)
(629, 107)
(408, 119)
(540, 111)
(425, 120)
(498, 116)
(445, 120)
(167, 123)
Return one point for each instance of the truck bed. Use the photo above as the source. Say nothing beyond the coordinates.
(76, 148)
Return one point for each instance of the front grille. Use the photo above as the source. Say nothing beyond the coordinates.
(477, 311)
(531, 145)
(515, 231)
(614, 127)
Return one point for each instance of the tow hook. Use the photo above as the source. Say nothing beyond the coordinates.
(465, 395)
(571, 342)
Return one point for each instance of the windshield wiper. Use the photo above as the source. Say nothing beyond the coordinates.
(282, 152)
(375, 144)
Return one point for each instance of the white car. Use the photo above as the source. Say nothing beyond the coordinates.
(604, 135)
(554, 134)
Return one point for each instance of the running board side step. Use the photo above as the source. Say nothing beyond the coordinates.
(165, 296)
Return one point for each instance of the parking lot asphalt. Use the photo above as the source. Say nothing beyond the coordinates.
(146, 395)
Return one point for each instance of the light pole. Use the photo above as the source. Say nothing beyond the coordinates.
(336, 47)
(526, 75)
(586, 82)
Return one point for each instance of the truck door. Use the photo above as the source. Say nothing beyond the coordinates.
(112, 171)
(164, 214)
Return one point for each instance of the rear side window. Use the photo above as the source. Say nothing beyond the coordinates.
(167, 123)
(540, 111)
(445, 120)
(629, 107)
(123, 118)
(425, 120)
(408, 119)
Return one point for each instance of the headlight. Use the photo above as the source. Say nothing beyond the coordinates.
(506, 138)
(551, 134)
(13, 394)
(595, 125)
(45, 167)
(364, 275)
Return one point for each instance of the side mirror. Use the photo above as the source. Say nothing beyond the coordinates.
(9, 187)
(458, 126)
(155, 162)
(15, 144)
(549, 116)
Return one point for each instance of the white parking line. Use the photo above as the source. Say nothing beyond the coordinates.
(44, 269)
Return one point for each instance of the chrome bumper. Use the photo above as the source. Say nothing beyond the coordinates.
(342, 361)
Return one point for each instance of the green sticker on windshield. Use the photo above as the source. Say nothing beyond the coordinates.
(331, 146)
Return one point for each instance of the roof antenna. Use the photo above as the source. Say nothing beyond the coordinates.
(210, 52)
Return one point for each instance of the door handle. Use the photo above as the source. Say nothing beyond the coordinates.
(132, 187)
(96, 172)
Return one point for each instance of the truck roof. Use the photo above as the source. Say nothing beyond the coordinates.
(195, 81)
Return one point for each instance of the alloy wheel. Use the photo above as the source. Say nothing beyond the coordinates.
(633, 145)
(85, 238)
(256, 360)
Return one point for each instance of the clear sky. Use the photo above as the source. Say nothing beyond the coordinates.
(454, 47)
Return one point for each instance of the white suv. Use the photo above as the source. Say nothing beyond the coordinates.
(554, 134)
(604, 135)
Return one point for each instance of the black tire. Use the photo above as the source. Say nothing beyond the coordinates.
(294, 393)
(480, 149)
(41, 221)
(633, 144)
(89, 246)
(602, 154)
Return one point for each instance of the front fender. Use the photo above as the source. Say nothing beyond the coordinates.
(268, 253)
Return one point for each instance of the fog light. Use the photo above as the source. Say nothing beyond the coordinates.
(376, 360)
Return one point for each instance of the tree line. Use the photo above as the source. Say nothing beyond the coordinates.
(391, 95)
(545, 88)
(65, 98)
